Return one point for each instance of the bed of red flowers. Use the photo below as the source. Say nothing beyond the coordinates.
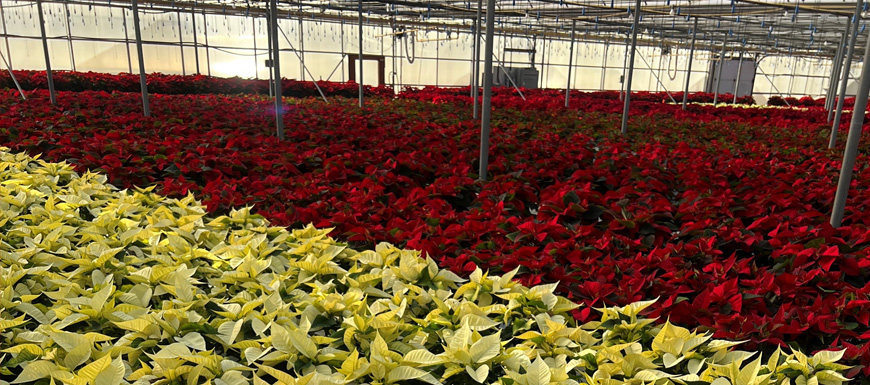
(201, 84)
(178, 84)
(720, 212)
(645, 96)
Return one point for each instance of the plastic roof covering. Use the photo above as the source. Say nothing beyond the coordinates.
(795, 27)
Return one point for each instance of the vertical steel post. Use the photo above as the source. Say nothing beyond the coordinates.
(719, 72)
(205, 32)
(836, 65)
(146, 107)
(737, 81)
(269, 53)
(487, 89)
(276, 67)
(627, 101)
(127, 42)
(362, 102)
(181, 44)
(302, 46)
(51, 94)
(195, 39)
(72, 56)
(622, 77)
(5, 35)
(570, 62)
(475, 86)
(604, 65)
(852, 142)
(254, 32)
(847, 66)
(691, 58)
(437, 58)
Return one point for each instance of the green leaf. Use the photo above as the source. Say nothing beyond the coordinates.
(478, 375)
(826, 357)
(538, 373)
(77, 356)
(35, 370)
(228, 331)
(278, 374)
(303, 343)
(422, 357)
(113, 375)
(92, 370)
(193, 340)
(404, 373)
(485, 348)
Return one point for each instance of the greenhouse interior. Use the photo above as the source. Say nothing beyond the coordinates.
(508, 192)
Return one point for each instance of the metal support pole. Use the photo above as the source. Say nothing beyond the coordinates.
(276, 67)
(334, 69)
(301, 51)
(393, 73)
(254, 32)
(691, 58)
(737, 81)
(852, 142)
(719, 72)
(51, 94)
(836, 65)
(570, 62)
(5, 35)
(627, 102)
(362, 102)
(656, 76)
(758, 68)
(269, 54)
(205, 31)
(72, 56)
(847, 66)
(127, 43)
(622, 77)
(195, 42)
(604, 66)
(146, 107)
(304, 67)
(475, 84)
(341, 39)
(437, 58)
(181, 45)
(487, 89)
(12, 75)
(501, 65)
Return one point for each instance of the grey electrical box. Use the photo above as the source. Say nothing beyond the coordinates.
(730, 75)
(523, 77)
